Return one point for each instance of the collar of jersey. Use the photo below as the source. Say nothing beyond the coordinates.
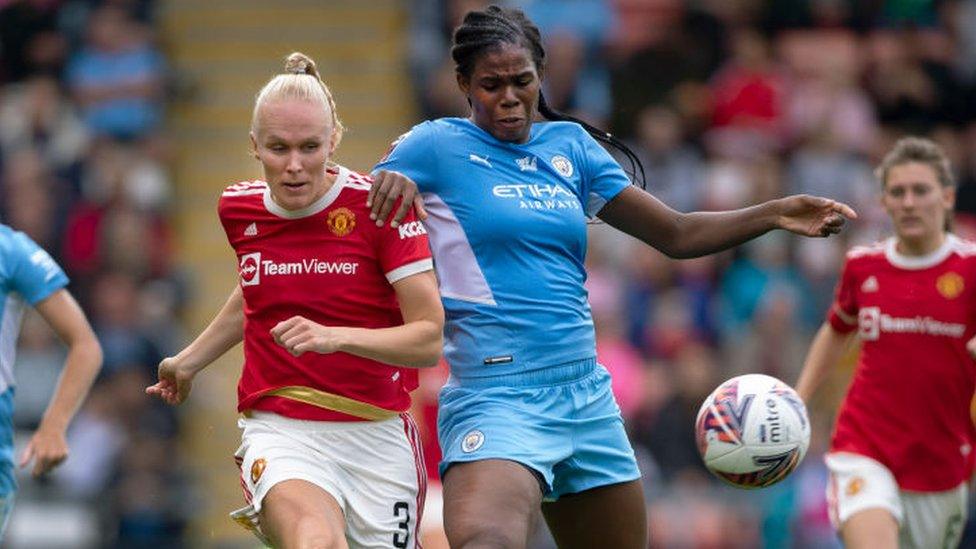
(315, 207)
(916, 262)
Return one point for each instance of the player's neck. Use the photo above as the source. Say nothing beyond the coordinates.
(920, 247)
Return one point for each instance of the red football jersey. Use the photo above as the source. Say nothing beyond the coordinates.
(908, 404)
(328, 263)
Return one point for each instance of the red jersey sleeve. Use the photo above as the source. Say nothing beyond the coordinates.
(403, 250)
(843, 311)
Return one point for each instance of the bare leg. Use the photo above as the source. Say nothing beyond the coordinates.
(299, 515)
(870, 529)
(490, 504)
(608, 516)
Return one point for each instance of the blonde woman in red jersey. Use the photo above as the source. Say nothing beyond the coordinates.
(901, 452)
(335, 314)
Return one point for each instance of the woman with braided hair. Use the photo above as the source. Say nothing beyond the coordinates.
(336, 315)
(527, 415)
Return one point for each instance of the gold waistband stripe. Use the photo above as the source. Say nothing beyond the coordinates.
(336, 403)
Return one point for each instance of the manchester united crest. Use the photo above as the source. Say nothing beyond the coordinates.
(341, 221)
(854, 486)
(257, 469)
(950, 285)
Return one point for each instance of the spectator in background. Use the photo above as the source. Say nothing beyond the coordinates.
(118, 221)
(29, 196)
(117, 77)
(576, 34)
(909, 79)
(675, 170)
(666, 433)
(115, 315)
(823, 165)
(749, 99)
(29, 39)
(36, 115)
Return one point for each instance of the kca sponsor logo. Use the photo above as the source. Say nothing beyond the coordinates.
(412, 229)
(250, 269)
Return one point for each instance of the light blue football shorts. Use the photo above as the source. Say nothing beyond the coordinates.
(561, 422)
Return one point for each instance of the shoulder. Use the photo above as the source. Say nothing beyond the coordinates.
(243, 192)
(561, 130)
(357, 182)
(351, 200)
(6, 232)
(963, 247)
(13, 241)
(859, 253)
(240, 197)
(423, 130)
(865, 257)
(412, 142)
(245, 188)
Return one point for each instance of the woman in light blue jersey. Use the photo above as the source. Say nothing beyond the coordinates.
(528, 416)
(29, 276)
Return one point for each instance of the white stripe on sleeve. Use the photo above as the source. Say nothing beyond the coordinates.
(410, 269)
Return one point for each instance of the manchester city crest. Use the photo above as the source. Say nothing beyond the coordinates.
(472, 441)
(562, 165)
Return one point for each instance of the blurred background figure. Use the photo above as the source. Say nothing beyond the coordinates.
(120, 123)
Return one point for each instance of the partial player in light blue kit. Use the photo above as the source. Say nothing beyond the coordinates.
(29, 276)
(527, 406)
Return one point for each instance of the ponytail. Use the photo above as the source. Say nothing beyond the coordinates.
(636, 172)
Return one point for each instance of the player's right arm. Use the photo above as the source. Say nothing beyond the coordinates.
(827, 349)
(224, 331)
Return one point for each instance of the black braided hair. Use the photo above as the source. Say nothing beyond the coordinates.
(636, 172)
(481, 31)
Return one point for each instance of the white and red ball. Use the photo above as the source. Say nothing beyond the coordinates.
(752, 431)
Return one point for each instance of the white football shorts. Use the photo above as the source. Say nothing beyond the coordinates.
(374, 469)
(925, 519)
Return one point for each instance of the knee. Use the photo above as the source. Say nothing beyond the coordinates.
(311, 533)
(487, 538)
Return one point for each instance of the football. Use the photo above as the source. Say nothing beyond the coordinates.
(752, 431)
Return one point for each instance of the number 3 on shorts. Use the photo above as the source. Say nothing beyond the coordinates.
(401, 510)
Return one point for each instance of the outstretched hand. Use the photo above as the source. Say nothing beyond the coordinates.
(174, 384)
(813, 215)
(387, 188)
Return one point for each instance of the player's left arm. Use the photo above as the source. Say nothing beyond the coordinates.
(48, 446)
(415, 344)
(684, 235)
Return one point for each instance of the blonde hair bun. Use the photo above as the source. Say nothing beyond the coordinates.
(299, 63)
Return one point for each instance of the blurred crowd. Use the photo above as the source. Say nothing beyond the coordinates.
(84, 172)
(729, 103)
(726, 102)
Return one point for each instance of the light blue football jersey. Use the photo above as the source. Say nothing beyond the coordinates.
(28, 275)
(507, 226)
